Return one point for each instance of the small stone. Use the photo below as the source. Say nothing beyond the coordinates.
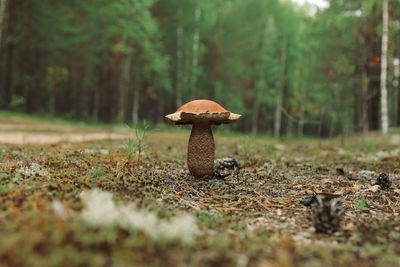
(374, 188)
(372, 212)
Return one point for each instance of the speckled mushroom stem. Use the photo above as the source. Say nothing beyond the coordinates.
(200, 157)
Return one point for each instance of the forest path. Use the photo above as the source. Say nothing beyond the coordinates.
(21, 131)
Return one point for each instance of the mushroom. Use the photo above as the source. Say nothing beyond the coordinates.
(202, 114)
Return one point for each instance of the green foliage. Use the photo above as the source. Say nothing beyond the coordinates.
(105, 60)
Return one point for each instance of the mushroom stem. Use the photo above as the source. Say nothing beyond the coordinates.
(200, 157)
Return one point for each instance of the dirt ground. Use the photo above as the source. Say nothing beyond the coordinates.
(255, 215)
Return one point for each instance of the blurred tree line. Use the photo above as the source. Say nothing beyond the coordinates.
(288, 71)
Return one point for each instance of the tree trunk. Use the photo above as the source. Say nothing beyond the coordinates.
(278, 113)
(397, 75)
(289, 129)
(364, 81)
(135, 111)
(3, 4)
(7, 65)
(300, 129)
(136, 97)
(96, 103)
(179, 54)
(160, 106)
(384, 105)
(83, 95)
(398, 101)
(124, 87)
(216, 57)
(87, 100)
(76, 79)
(279, 97)
(321, 118)
(52, 101)
(372, 45)
(195, 53)
(323, 110)
(256, 113)
(364, 101)
(260, 75)
(373, 101)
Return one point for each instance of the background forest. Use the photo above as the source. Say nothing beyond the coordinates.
(288, 70)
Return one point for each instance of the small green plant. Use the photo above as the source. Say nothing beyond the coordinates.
(269, 149)
(246, 144)
(4, 189)
(136, 146)
(363, 204)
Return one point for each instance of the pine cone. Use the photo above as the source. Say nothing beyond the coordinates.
(327, 214)
(384, 181)
(226, 164)
(223, 167)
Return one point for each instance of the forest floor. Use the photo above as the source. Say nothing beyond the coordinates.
(66, 203)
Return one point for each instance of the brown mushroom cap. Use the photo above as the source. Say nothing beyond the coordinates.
(205, 110)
